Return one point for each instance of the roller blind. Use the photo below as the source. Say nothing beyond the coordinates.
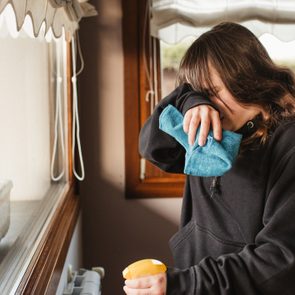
(173, 20)
(54, 15)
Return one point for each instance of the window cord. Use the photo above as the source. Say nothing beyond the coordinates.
(76, 123)
(150, 94)
(58, 121)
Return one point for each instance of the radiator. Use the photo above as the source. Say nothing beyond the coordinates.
(85, 282)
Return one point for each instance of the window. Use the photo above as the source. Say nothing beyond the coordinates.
(29, 100)
(38, 204)
(151, 64)
(142, 178)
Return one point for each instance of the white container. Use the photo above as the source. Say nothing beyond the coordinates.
(5, 188)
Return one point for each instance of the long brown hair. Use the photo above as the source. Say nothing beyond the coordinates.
(247, 72)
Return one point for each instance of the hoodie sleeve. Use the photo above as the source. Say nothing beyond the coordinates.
(157, 146)
(265, 267)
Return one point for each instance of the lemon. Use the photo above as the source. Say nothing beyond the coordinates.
(144, 267)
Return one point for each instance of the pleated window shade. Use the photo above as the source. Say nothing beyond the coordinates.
(54, 15)
(173, 20)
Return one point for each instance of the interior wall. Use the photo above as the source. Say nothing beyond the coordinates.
(116, 231)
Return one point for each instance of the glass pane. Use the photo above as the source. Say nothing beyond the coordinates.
(283, 53)
(33, 90)
(171, 55)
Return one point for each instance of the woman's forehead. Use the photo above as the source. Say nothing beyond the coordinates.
(211, 81)
(215, 80)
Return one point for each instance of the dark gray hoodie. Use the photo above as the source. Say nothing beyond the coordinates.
(237, 233)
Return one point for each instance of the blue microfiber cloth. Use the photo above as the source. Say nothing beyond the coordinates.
(214, 158)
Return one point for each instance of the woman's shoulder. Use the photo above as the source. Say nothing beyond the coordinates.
(285, 129)
(282, 139)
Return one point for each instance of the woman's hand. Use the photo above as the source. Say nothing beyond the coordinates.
(205, 116)
(148, 285)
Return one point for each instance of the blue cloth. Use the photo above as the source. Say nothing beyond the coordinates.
(214, 158)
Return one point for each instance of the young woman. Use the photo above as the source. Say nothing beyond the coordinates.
(237, 232)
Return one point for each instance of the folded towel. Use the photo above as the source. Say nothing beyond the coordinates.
(214, 158)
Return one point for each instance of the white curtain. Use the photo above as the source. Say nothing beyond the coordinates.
(54, 15)
(173, 20)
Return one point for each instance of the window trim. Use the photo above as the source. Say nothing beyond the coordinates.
(135, 87)
(44, 271)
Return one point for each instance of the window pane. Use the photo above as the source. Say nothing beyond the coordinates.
(283, 53)
(33, 83)
(171, 55)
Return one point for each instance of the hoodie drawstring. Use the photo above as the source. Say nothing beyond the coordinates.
(215, 186)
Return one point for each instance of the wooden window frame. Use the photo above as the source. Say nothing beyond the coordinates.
(135, 88)
(45, 268)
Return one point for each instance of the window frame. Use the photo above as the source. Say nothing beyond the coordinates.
(135, 88)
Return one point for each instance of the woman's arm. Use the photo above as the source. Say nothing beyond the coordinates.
(163, 150)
